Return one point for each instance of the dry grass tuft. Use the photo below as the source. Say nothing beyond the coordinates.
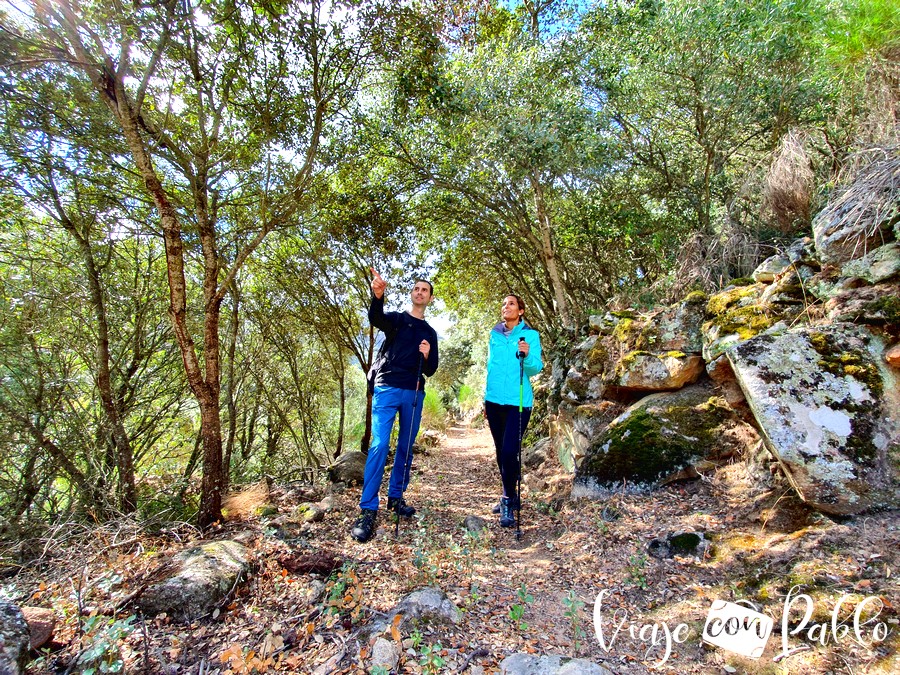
(870, 202)
(789, 185)
(245, 502)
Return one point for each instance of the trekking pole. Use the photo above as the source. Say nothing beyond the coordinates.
(521, 357)
(408, 461)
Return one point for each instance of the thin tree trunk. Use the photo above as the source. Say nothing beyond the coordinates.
(548, 253)
(229, 382)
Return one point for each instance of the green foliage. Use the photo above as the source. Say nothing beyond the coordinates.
(517, 611)
(637, 571)
(573, 613)
(102, 636)
(431, 660)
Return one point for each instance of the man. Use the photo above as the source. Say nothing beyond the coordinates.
(409, 353)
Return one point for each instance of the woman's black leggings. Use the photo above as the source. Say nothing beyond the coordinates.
(507, 429)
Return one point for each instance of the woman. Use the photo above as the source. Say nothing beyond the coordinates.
(514, 355)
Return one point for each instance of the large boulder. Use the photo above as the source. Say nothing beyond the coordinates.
(659, 436)
(197, 580)
(14, 638)
(643, 372)
(827, 404)
(348, 468)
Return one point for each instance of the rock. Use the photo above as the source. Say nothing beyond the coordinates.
(14, 639)
(827, 405)
(535, 455)
(738, 314)
(531, 664)
(474, 524)
(640, 372)
(308, 513)
(428, 604)
(328, 504)
(872, 305)
(200, 579)
(892, 356)
(680, 544)
(429, 438)
(803, 252)
(603, 324)
(770, 268)
(385, 654)
(316, 591)
(660, 435)
(41, 623)
(876, 266)
(573, 430)
(348, 468)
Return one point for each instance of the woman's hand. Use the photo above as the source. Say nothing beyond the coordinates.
(524, 347)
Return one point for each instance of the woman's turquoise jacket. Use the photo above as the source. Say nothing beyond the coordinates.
(503, 367)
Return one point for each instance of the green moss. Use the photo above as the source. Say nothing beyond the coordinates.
(624, 330)
(746, 322)
(643, 448)
(675, 355)
(888, 307)
(695, 298)
(742, 281)
(624, 314)
(722, 302)
(597, 358)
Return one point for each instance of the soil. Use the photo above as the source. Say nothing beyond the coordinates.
(536, 594)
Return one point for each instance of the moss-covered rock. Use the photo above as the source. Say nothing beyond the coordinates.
(738, 314)
(877, 306)
(659, 435)
(827, 405)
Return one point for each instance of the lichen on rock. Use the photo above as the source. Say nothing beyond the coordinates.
(819, 397)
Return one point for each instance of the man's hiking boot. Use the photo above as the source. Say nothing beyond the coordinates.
(364, 527)
(507, 519)
(398, 505)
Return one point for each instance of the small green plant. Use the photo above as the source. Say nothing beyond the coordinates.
(379, 670)
(344, 593)
(422, 560)
(517, 611)
(431, 660)
(102, 635)
(637, 571)
(416, 639)
(573, 614)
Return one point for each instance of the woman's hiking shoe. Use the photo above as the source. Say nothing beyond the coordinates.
(506, 513)
(364, 527)
(398, 505)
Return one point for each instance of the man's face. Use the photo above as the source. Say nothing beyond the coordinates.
(421, 293)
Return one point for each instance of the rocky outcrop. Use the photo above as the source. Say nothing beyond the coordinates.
(197, 580)
(14, 639)
(658, 436)
(826, 404)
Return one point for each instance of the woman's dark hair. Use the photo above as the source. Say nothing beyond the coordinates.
(520, 302)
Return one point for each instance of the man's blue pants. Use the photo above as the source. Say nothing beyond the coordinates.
(387, 403)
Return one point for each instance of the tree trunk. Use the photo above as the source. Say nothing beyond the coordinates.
(549, 255)
(340, 439)
(229, 381)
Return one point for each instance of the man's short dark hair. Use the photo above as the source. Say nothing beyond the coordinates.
(425, 281)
